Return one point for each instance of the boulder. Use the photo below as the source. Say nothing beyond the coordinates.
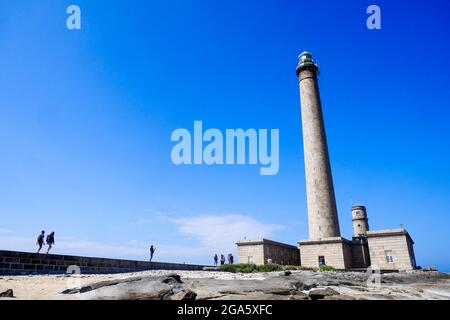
(320, 293)
(135, 288)
(7, 294)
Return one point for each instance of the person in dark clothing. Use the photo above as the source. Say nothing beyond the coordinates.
(222, 259)
(231, 259)
(216, 259)
(40, 240)
(50, 241)
(152, 252)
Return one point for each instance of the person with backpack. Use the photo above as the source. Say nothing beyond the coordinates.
(40, 240)
(152, 252)
(50, 241)
(216, 259)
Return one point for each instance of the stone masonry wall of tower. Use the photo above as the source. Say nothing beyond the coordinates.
(322, 212)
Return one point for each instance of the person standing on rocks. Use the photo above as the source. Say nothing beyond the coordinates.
(40, 240)
(50, 241)
(216, 259)
(152, 252)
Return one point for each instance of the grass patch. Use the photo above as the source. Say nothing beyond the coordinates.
(292, 268)
(271, 267)
(325, 268)
(299, 268)
(249, 268)
(236, 268)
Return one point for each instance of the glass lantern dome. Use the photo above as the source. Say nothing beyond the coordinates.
(305, 60)
(305, 57)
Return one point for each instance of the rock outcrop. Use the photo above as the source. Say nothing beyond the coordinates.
(7, 294)
(295, 285)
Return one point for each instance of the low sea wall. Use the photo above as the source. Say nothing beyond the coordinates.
(23, 263)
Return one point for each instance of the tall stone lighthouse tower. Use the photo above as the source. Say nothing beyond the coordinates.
(322, 211)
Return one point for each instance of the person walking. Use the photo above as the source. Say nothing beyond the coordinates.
(216, 259)
(40, 240)
(152, 252)
(50, 241)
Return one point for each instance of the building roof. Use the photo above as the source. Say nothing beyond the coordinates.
(324, 241)
(263, 241)
(388, 233)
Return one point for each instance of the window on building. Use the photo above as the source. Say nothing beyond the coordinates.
(388, 255)
(250, 259)
(321, 261)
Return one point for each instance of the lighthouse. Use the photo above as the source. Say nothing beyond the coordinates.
(322, 212)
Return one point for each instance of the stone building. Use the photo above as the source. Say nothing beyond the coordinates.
(384, 249)
(391, 249)
(264, 251)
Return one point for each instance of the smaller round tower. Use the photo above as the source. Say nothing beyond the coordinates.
(360, 221)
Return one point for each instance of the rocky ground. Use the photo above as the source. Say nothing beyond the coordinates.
(201, 285)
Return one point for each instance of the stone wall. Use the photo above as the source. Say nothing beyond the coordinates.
(399, 242)
(336, 251)
(282, 253)
(251, 252)
(259, 251)
(360, 254)
(21, 263)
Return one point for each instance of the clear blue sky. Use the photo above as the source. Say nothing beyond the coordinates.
(86, 118)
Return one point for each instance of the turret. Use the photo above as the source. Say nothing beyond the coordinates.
(360, 221)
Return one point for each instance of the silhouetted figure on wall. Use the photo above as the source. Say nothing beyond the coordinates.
(50, 241)
(40, 240)
(152, 252)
